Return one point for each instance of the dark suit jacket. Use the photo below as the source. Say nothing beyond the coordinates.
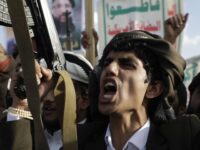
(180, 134)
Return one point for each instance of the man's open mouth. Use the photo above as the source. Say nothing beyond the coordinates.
(110, 89)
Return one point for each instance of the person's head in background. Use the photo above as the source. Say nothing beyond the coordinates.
(61, 7)
(194, 102)
(51, 113)
(79, 69)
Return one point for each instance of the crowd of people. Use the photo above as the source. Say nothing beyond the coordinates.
(134, 99)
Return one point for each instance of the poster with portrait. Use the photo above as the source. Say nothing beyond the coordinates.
(67, 16)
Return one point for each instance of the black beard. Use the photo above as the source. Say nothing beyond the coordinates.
(62, 26)
(52, 126)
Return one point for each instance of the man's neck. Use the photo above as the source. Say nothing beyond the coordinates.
(52, 131)
(52, 128)
(122, 127)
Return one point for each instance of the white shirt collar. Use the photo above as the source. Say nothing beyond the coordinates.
(138, 139)
(55, 140)
(82, 121)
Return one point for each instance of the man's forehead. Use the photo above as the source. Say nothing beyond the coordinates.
(62, 1)
(122, 55)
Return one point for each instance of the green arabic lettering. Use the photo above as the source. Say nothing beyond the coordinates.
(156, 6)
(120, 11)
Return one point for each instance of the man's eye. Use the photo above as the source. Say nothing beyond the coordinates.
(127, 64)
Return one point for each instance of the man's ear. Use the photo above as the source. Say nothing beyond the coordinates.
(154, 89)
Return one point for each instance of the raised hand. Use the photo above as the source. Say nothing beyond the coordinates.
(85, 40)
(173, 27)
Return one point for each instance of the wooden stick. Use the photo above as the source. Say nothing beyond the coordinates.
(90, 52)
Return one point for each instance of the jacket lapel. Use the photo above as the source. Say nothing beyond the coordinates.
(91, 136)
(97, 145)
(155, 140)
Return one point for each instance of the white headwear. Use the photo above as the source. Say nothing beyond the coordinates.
(78, 67)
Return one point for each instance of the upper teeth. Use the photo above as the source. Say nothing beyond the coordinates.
(109, 87)
(109, 84)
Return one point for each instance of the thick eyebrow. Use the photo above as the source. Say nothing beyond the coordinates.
(108, 59)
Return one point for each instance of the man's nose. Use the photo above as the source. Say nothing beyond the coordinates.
(65, 9)
(49, 98)
(112, 69)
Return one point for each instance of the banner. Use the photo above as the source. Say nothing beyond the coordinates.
(117, 16)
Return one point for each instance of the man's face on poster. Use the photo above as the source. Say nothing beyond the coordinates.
(60, 8)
